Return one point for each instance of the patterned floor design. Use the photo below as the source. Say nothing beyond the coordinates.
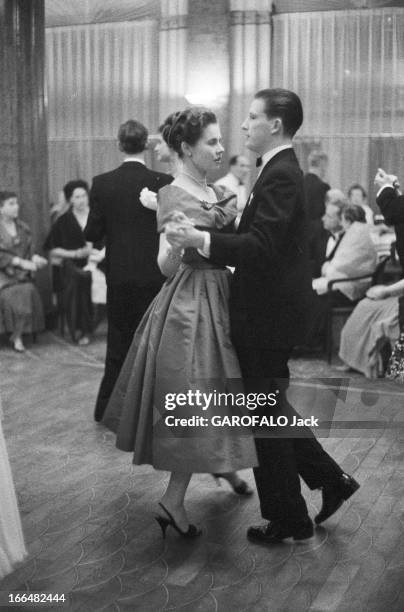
(88, 513)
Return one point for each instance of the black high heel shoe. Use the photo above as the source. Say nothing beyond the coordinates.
(240, 489)
(192, 532)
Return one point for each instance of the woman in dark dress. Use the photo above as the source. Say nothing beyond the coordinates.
(69, 254)
(20, 304)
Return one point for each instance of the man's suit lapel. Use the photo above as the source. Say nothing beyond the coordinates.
(249, 208)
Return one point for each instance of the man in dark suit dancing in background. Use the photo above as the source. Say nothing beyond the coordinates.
(268, 303)
(315, 187)
(131, 240)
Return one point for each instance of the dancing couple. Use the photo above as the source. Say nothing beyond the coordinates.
(206, 328)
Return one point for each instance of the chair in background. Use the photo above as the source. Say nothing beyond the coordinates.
(72, 286)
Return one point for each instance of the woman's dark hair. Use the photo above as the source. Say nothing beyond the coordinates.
(132, 136)
(69, 188)
(187, 126)
(6, 195)
(353, 212)
(165, 127)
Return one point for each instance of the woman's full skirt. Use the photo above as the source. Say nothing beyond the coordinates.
(183, 346)
(370, 326)
(21, 309)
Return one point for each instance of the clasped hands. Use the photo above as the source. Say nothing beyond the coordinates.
(181, 232)
(30, 265)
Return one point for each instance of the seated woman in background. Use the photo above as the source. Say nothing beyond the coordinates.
(20, 304)
(373, 324)
(69, 254)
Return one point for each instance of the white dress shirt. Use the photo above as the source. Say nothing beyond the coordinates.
(134, 158)
(332, 241)
(266, 157)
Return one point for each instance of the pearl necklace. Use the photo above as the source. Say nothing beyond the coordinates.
(202, 184)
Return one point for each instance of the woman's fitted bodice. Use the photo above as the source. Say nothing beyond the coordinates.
(217, 215)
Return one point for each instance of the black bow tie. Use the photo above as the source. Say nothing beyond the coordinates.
(258, 162)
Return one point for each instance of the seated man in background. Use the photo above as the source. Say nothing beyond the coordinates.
(353, 254)
(328, 233)
(235, 180)
(357, 195)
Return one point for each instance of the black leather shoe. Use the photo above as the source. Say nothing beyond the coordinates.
(274, 532)
(334, 496)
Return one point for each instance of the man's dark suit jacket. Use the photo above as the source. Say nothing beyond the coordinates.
(315, 190)
(317, 250)
(392, 207)
(271, 287)
(129, 229)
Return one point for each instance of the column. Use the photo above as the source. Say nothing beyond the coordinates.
(23, 144)
(250, 52)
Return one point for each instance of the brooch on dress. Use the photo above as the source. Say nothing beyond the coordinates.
(207, 205)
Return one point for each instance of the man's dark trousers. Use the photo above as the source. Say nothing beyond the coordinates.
(126, 305)
(282, 459)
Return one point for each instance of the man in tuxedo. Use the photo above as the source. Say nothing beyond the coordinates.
(131, 240)
(328, 236)
(268, 306)
(391, 203)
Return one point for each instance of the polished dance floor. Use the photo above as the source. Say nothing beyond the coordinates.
(87, 513)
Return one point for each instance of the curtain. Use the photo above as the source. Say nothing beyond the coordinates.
(348, 69)
(250, 56)
(172, 56)
(98, 76)
(62, 12)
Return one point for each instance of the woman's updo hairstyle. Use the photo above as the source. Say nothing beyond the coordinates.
(186, 126)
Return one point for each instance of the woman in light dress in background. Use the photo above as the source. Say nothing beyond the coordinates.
(372, 325)
(183, 341)
(12, 548)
